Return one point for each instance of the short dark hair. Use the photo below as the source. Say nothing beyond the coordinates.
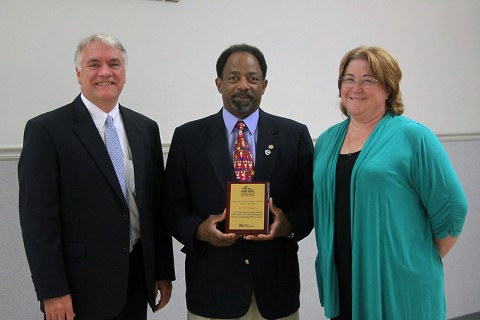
(222, 60)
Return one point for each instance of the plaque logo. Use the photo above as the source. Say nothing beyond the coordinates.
(247, 192)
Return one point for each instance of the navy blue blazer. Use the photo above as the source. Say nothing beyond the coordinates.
(74, 219)
(220, 281)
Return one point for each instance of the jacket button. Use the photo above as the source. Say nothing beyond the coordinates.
(125, 217)
(125, 250)
(246, 261)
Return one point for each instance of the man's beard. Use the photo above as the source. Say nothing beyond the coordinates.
(242, 106)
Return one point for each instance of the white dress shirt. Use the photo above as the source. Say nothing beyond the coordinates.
(99, 118)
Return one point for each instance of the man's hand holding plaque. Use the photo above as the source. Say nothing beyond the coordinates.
(207, 231)
(280, 227)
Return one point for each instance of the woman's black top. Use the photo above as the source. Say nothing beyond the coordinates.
(342, 232)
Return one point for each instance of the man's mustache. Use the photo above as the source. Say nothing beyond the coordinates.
(242, 95)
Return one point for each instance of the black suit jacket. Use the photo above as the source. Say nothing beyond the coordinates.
(74, 219)
(220, 281)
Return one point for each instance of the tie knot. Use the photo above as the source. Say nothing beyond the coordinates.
(240, 125)
(109, 121)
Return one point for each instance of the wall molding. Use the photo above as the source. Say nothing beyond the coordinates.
(10, 153)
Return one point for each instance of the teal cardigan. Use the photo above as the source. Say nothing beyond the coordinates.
(404, 193)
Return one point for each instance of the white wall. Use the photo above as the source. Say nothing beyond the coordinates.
(173, 48)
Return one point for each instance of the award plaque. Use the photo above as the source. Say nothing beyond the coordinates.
(247, 208)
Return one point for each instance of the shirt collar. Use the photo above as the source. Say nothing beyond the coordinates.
(230, 120)
(98, 115)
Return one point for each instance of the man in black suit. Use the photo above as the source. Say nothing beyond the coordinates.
(95, 250)
(230, 276)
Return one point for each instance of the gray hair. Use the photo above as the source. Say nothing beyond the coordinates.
(110, 41)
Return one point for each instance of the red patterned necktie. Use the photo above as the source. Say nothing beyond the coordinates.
(242, 157)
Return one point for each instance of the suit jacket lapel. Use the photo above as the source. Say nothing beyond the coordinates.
(88, 134)
(137, 148)
(268, 145)
(216, 147)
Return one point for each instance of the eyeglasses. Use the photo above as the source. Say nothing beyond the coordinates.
(365, 82)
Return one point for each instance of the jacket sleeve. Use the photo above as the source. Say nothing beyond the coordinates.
(439, 187)
(39, 205)
(181, 220)
(164, 259)
(301, 213)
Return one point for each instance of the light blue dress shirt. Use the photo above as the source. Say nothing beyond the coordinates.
(250, 135)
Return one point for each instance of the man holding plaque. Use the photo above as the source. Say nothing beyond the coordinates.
(240, 198)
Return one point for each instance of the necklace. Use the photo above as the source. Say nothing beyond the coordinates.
(358, 145)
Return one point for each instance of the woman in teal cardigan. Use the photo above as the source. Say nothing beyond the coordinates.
(388, 203)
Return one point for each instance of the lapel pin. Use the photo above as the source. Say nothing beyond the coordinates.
(269, 150)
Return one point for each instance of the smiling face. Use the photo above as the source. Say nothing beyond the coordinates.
(362, 101)
(101, 74)
(241, 84)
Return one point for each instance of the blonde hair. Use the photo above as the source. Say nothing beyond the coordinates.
(385, 69)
